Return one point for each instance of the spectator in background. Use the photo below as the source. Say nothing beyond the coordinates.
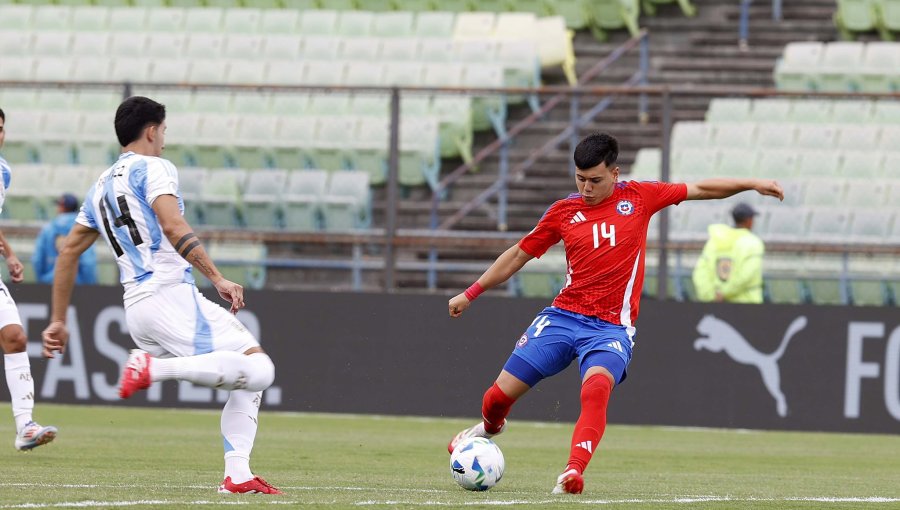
(730, 267)
(51, 239)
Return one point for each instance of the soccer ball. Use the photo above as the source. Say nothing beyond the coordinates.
(477, 464)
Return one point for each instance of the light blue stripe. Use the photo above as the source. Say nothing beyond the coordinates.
(89, 208)
(228, 447)
(137, 179)
(202, 332)
(134, 255)
(7, 172)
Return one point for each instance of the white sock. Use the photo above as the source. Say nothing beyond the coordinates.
(21, 387)
(224, 370)
(239, 423)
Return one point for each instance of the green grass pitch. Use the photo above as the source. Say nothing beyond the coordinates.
(115, 457)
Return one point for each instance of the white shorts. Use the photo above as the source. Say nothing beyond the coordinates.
(178, 321)
(9, 314)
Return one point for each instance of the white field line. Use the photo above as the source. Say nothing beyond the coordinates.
(262, 500)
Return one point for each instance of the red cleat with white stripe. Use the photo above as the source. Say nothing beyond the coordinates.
(255, 485)
(569, 482)
(136, 374)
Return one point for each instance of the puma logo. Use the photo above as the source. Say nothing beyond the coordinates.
(721, 336)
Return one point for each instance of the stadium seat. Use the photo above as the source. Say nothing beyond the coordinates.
(855, 16)
(318, 23)
(222, 197)
(434, 50)
(869, 226)
(555, 46)
(285, 72)
(486, 110)
(52, 69)
(51, 44)
(865, 164)
(736, 163)
(771, 110)
(394, 24)
(889, 166)
(243, 46)
(242, 21)
(321, 47)
(355, 23)
(604, 15)
(886, 112)
(867, 279)
(888, 18)
(729, 110)
(263, 198)
(253, 141)
(816, 136)
(514, 25)
(693, 134)
(280, 21)
(734, 135)
(93, 19)
(128, 19)
(818, 164)
(324, 72)
(68, 178)
(90, 43)
(435, 24)
(96, 141)
(687, 8)
(878, 72)
(474, 25)
(784, 224)
(543, 277)
(819, 276)
(417, 6)
(475, 50)
(211, 101)
(166, 19)
(50, 17)
(370, 148)
(399, 48)
(810, 111)
(287, 153)
(859, 137)
(695, 162)
(300, 5)
(824, 192)
(242, 263)
(347, 202)
(442, 74)
(797, 65)
(329, 147)
(521, 68)
(647, 164)
(191, 183)
(212, 147)
(25, 200)
(282, 47)
(361, 50)
(402, 74)
(828, 225)
(419, 152)
(203, 19)
(303, 199)
(454, 115)
(55, 145)
(17, 68)
(888, 142)
(852, 111)
(836, 72)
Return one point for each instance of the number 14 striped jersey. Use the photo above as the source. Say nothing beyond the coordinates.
(605, 245)
(119, 207)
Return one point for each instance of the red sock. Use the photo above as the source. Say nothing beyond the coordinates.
(494, 408)
(592, 422)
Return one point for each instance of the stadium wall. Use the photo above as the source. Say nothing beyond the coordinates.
(768, 367)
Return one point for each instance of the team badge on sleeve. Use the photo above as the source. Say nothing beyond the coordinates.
(624, 207)
(522, 341)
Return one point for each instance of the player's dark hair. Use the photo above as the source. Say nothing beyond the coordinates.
(135, 114)
(2, 115)
(595, 149)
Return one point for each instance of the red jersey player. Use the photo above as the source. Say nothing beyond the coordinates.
(604, 230)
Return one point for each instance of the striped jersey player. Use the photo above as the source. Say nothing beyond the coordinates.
(16, 364)
(136, 207)
(604, 230)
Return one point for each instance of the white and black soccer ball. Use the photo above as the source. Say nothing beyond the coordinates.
(477, 464)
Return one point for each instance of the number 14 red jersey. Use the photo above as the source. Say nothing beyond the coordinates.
(605, 245)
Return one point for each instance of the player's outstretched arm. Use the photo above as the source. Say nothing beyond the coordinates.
(56, 335)
(709, 189)
(506, 265)
(186, 243)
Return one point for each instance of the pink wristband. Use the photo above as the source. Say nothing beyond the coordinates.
(474, 291)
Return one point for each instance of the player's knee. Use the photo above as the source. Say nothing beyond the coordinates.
(262, 372)
(15, 341)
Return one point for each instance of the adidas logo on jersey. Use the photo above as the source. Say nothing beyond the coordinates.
(578, 218)
(587, 445)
